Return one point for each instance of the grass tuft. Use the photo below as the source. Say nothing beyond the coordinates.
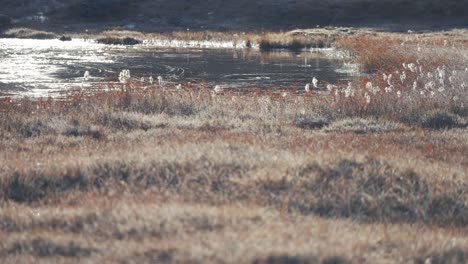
(443, 120)
(45, 248)
(310, 122)
(362, 126)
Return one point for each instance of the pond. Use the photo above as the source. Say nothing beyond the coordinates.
(47, 67)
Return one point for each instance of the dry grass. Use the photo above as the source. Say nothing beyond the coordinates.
(294, 42)
(416, 78)
(140, 174)
(375, 53)
(27, 33)
(135, 173)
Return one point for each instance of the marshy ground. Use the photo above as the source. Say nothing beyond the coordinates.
(373, 171)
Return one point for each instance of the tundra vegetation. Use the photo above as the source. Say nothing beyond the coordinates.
(370, 171)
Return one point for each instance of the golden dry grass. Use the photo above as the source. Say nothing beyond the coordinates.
(144, 175)
(147, 174)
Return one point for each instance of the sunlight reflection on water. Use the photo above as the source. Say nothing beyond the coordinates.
(44, 67)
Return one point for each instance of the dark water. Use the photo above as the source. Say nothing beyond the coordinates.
(45, 67)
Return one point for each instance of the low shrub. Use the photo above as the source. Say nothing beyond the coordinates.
(118, 41)
(310, 122)
(26, 33)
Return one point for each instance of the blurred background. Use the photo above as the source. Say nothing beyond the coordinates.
(221, 15)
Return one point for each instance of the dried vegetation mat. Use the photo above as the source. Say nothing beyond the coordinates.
(369, 172)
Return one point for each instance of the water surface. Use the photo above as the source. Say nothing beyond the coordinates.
(45, 67)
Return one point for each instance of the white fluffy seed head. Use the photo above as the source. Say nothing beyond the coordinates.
(403, 77)
(315, 82)
(124, 76)
(389, 79)
(349, 91)
(441, 72)
(375, 90)
(218, 89)
(368, 98)
(429, 85)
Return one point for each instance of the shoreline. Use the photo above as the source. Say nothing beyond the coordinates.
(297, 39)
